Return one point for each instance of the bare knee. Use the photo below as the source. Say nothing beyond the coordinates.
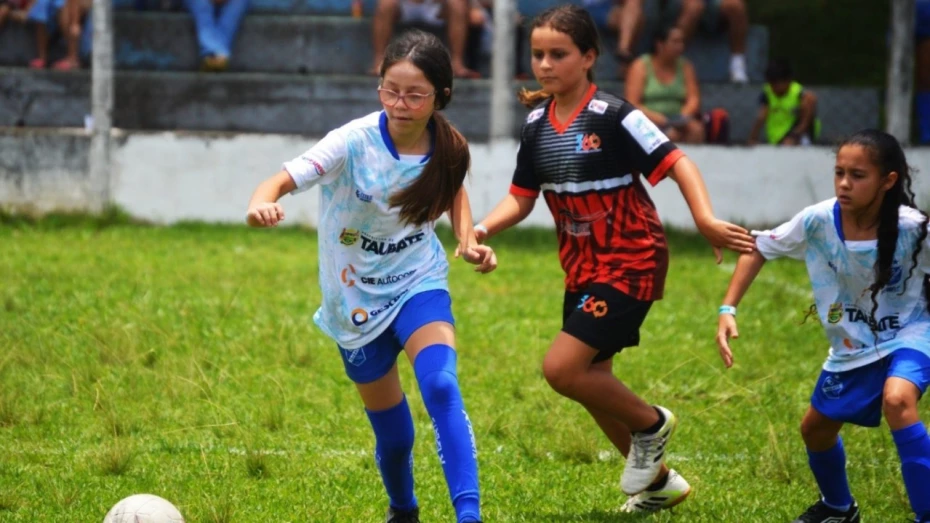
(733, 8)
(694, 132)
(388, 8)
(692, 8)
(559, 376)
(819, 433)
(898, 407)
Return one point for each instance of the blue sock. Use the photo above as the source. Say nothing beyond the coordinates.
(922, 106)
(455, 440)
(829, 468)
(914, 450)
(394, 453)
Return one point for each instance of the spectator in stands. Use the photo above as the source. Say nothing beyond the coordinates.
(623, 17)
(922, 86)
(455, 15)
(217, 22)
(663, 85)
(714, 15)
(14, 11)
(71, 19)
(787, 109)
(39, 14)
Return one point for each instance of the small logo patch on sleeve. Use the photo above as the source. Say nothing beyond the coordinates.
(646, 134)
(598, 106)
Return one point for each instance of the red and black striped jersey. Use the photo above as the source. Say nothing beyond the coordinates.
(589, 170)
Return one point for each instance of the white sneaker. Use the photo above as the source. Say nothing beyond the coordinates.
(647, 454)
(738, 70)
(675, 491)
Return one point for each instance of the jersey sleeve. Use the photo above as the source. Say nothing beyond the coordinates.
(653, 154)
(524, 181)
(321, 164)
(787, 240)
(923, 259)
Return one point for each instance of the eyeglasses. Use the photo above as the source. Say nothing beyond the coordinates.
(411, 100)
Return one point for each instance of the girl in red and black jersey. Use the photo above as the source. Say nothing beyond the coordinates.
(587, 152)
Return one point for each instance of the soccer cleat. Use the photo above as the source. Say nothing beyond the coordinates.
(402, 516)
(675, 491)
(647, 454)
(821, 513)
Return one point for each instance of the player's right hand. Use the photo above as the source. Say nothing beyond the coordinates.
(266, 214)
(726, 329)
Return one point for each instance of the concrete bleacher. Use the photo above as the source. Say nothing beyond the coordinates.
(297, 67)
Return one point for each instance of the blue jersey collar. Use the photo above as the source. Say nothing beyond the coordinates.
(389, 143)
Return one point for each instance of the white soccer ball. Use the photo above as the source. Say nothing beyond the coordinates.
(144, 508)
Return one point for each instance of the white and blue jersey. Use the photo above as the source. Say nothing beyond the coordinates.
(841, 273)
(371, 263)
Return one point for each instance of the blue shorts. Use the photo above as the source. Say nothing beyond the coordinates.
(922, 31)
(370, 362)
(46, 12)
(855, 396)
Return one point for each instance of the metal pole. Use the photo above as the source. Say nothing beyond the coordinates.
(101, 99)
(502, 70)
(900, 88)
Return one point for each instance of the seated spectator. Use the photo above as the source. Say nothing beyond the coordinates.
(712, 16)
(922, 85)
(71, 19)
(664, 86)
(216, 22)
(39, 14)
(455, 15)
(14, 11)
(623, 17)
(787, 110)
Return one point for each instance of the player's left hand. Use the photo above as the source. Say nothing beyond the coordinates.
(481, 255)
(725, 235)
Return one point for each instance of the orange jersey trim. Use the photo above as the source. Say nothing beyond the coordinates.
(562, 127)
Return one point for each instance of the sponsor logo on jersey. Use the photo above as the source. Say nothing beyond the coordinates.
(646, 134)
(598, 106)
(320, 171)
(890, 322)
(587, 143)
(897, 277)
(348, 237)
(835, 314)
(347, 276)
(360, 316)
(382, 247)
(387, 280)
(535, 114)
(362, 196)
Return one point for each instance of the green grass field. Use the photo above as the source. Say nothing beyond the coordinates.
(183, 362)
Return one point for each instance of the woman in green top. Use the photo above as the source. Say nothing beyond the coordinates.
(664, 86)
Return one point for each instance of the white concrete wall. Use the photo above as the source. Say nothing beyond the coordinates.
(167, 177)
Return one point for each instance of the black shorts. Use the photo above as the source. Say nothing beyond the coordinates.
(604, 318)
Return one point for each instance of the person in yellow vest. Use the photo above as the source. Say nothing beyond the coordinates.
(787, 110)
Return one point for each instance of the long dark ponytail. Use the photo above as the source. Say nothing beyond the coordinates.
(434, 191)
(888, 155)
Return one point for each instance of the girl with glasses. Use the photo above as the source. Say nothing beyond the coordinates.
(385, 180)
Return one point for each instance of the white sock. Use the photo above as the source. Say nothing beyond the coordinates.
(738, 61)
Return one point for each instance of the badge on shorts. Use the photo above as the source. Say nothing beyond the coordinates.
(355, 356)
(832, 387)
